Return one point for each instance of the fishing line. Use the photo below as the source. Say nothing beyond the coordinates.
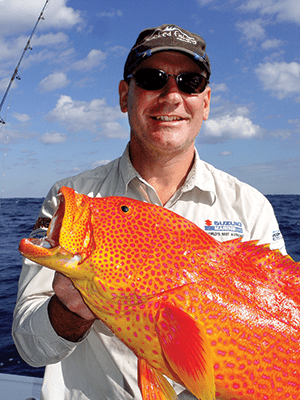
(5, 140)
(15, 75)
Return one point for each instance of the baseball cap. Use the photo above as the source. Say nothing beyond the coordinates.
(167, 37)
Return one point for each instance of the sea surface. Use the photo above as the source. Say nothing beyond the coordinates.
(17, 217)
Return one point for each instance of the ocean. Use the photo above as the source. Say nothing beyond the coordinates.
(17, 217)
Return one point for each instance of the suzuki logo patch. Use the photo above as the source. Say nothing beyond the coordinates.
(224, 228)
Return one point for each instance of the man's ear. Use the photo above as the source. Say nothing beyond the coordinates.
(206, 103)
(123, 96)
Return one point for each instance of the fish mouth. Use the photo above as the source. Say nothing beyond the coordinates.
(69, 236)
(47, 246)
(52, 239)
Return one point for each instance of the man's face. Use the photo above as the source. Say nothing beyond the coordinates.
(165, 120)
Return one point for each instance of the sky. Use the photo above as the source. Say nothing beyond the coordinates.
(63, 116)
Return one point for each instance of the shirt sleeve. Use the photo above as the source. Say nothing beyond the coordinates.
(36, 340)
(33, 334)
(266, 228)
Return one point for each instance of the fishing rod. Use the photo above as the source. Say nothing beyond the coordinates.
(27, 47)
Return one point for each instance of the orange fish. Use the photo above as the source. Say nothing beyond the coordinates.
(222, 319)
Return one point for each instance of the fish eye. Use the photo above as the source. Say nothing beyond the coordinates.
(125, 209)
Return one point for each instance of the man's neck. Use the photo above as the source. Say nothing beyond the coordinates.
(165, 173)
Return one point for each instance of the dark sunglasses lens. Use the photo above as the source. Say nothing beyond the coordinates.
(153, 79)
(190, 82)
(150, 79)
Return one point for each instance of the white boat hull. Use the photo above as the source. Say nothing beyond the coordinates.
(17, 387)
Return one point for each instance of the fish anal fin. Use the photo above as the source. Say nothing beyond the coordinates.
(153, 385)
(185, 346)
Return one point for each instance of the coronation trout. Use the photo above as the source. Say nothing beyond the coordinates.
(222, 319)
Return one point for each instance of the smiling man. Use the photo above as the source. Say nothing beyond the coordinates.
(165, 122)
(166, 95)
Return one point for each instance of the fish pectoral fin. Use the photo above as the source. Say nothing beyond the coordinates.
(185, 346)
(153, 385)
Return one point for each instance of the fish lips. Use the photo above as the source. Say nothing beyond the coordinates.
(69, 237)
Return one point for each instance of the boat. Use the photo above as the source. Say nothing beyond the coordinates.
(19, 387)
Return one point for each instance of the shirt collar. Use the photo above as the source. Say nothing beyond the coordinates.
(199, 177)
(127, 170)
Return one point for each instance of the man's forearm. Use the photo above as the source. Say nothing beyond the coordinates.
(67, 324)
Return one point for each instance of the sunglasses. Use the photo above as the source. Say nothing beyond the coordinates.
(155, 79)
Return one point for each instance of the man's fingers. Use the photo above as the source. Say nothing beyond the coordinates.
(70, 296)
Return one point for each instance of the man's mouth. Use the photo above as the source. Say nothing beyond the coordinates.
(167, 118)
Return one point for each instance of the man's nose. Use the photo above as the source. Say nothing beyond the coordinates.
(171, 91)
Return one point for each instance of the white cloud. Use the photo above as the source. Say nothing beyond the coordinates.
(53, 81)
(229, 127)
(17, 16)
(93, 59)
(228, 121)
(252, 30)
(53, 138)
(50, 39)
(110, 14)
(295, 122)
(281, 78)
(11, 48)
(225, 153)
(205, 2)
(95, 117)
(119, 51)
(51, 57)
(271, 44)
(21, 117)
(5, 82)
(284, 10)
(221, 87)
(10, 135)
(96, 164)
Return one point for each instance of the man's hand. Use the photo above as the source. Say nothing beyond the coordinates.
(68, 313)
(70, 296)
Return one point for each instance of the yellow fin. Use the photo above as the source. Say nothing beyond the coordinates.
(152, 383)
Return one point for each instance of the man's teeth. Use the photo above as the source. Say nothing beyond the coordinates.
(166, 118)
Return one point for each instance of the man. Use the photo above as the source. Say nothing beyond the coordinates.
(166, 95)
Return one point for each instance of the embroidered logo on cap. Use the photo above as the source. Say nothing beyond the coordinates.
(172, 30)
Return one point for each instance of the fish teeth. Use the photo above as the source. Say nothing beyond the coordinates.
(166, 118)
(45, 243)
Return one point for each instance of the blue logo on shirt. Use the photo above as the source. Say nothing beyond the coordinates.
(277, 235)
(224, 228)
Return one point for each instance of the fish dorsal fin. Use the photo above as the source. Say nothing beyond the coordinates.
(281, 267)
(153, 385)
(185, 346)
